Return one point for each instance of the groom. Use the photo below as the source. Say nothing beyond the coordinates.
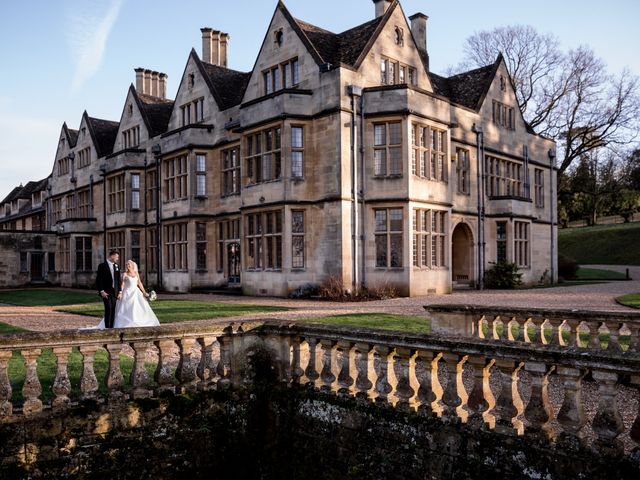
(108, 285)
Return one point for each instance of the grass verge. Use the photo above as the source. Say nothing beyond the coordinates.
(600, 245)
(585, 273)
(383, 321)
(631, 300)
(173, 311)
(33, 297)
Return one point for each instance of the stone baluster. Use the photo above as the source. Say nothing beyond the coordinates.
(404, 392)
(451, 398)
(326, 375)
(88, 380)
(424, 370)
(607, 423)
(363, 384)
(614, 336)
(224, 365)
(513, 330)
(572, 326)
(31, 390)
(139, 375)
(311, 372)
(381, 366)
(634, 337)
(497, 327)
(186, 371)
(594, 331)
(539, 411)
(204, 370)
(531, 331)
(6, 407)
(505, 409)
(345, 381)
(476, 403)
(296, 368)
(571, 414)
(163, 375)
(61, 385)
(115, 379)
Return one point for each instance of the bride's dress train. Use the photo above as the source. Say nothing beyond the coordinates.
(133, 310)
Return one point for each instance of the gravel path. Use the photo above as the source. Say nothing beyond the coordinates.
(584, 297)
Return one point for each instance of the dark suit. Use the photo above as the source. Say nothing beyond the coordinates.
(110, 285)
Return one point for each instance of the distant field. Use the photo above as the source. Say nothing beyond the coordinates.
(602, 244)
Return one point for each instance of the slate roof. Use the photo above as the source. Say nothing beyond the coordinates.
(26, 191)
(73, 136)
(340, 48)
(104, 133)
(156, 112)
(15, 193)
(468, 88)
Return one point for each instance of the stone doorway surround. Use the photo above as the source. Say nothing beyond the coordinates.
(462, 273)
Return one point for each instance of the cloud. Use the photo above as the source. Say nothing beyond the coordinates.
(87, 36)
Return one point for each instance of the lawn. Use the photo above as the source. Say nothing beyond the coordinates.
(172, 311)
(44, 297)
(383, 321)
(602, 244)
(598, 274)
(631, 300)
(5, 328)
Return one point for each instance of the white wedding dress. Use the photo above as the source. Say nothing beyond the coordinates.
(133, 310)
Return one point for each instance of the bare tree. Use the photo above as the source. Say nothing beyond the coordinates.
(569, 97)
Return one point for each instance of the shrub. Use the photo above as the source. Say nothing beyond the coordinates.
(503, 275)
(308, 290)
(333, 289)
(567, 267)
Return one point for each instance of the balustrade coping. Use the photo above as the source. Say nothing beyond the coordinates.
(507, 312)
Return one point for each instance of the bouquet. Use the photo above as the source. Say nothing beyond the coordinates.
(152, 296)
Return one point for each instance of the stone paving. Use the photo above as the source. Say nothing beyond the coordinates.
(584, 297)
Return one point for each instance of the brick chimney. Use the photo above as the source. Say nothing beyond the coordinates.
(139, 80)
(419, 31)
(162, 93)
(215, 47)
(155, 84)
(381, 7)
(147, 82)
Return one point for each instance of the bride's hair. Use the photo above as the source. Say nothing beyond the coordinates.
(135, 266)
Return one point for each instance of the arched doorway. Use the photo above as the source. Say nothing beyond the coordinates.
(462, 255)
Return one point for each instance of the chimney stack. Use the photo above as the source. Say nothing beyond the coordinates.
(152, 83)
(163, 85)
(381, 7)
(224, 49)
(215, 47)
(139, 80)
(419, 31)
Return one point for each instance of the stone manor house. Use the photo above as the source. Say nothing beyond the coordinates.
(338, 155)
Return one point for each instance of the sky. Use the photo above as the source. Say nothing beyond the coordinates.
(61, 57)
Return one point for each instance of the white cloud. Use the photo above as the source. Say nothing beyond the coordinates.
(87, 35)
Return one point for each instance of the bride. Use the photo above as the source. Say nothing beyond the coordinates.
(132, 309)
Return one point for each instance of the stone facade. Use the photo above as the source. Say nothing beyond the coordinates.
(339, 155)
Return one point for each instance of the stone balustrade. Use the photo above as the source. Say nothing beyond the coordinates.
(499, 386)
(611, 331)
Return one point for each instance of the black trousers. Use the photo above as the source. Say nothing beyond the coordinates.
(109, 310)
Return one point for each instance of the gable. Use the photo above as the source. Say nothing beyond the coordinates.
(384, 45)
(501, 93)
(294, 44)
(193, 86)
(130, 118)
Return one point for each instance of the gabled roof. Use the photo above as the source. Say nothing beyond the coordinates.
(72, 135)
(26, 191)
(468, 88)
(103, 133)
(155, 111)
(227, 86)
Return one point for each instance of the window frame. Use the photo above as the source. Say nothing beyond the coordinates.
(386, 237)
(385, 149)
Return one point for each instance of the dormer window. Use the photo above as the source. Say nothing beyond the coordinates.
(192, 112)
(504, 116)
(278, 37)
(191, 80)
(285, 75)
(399, 36)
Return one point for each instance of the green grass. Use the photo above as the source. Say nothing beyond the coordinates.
(5, 328)
(631, 300)
(598, 274)
(40, 298)
(47, 372)
(172, 311)
(601, 245)
(383, 321)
